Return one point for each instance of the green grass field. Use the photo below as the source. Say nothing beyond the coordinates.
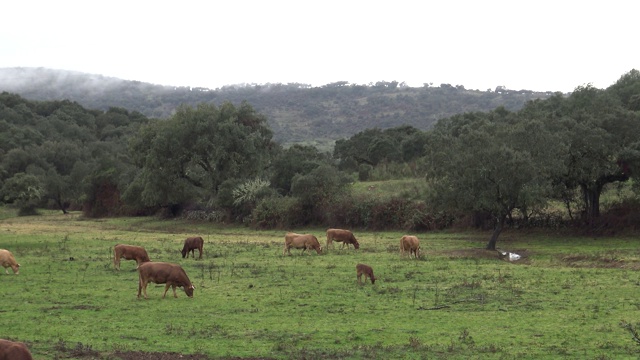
(566, 298)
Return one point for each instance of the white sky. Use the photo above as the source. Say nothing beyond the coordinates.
(480, 44)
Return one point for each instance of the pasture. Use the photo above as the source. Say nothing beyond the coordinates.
(568, 297)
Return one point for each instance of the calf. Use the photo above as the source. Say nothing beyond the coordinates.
(367, 271)
(191, 244)
(299, 241)
(129, 252)
(344, 236)
(7, 260)
(164, 273)
(411, 244)
(14, 350)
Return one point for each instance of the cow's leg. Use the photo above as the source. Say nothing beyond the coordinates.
(116, 261)
(166, 288)
(359, 276)
(174, 291)
(142, 287)
(200, 249)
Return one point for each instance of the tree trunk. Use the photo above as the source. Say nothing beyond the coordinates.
(496, 232)
(591, 195)
(60, 204)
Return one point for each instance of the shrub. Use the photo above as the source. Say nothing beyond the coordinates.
(279, 213)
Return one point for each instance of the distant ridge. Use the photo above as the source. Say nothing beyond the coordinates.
(297, 113)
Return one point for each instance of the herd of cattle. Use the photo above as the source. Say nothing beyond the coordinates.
(173, 275)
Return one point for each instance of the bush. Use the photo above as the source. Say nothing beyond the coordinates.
(364, 172)
(382, 213)
(278, 213)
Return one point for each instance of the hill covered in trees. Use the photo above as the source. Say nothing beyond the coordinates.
(296, 113)
(223, 163)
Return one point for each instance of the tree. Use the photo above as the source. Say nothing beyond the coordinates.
(493, 163)
(24, 191)
(627, 89)
(374, 146)
(601, 138)
(318, 189)
(298, 159)
(187, 157)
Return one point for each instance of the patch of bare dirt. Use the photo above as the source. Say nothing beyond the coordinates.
(599, 261)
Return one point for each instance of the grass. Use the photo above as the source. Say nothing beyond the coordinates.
(569, 297)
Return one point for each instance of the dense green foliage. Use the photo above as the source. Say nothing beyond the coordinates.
(569, 297)
(222, 163)
(295, 112)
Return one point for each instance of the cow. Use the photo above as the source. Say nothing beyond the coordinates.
(344, 236)
(14, 350)
(367, 271)
(191, 244)
(129, 252)
(7, 260)
(411, 244)
(300, 241)
(173, 275)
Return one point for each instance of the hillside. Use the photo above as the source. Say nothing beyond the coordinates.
(296, 112)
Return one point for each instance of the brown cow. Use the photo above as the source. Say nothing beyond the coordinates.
(411, 244)
(191, 244)
(299, 241)
(14, 350)
(129, 252)
(164, 273)
(367, 271)
(7, 260)
(344, 236)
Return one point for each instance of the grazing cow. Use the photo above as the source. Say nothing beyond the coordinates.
(299, 241)
(191, 244)
(129, 252)
(367, 271)
(411, 244)
(14, 350)
(344, 236)
(7, 260)
(164, 273)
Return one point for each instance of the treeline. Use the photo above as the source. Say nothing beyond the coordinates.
(296, 113)
(221, 163)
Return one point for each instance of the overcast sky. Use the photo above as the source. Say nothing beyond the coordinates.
(480, 44)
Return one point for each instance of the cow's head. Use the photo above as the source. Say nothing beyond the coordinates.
(16, 269)
(373, 279)
(356, 244)
(184, 252)
(319, 250)
(189, 290)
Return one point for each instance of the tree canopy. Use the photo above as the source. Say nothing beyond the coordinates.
(188, 156)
